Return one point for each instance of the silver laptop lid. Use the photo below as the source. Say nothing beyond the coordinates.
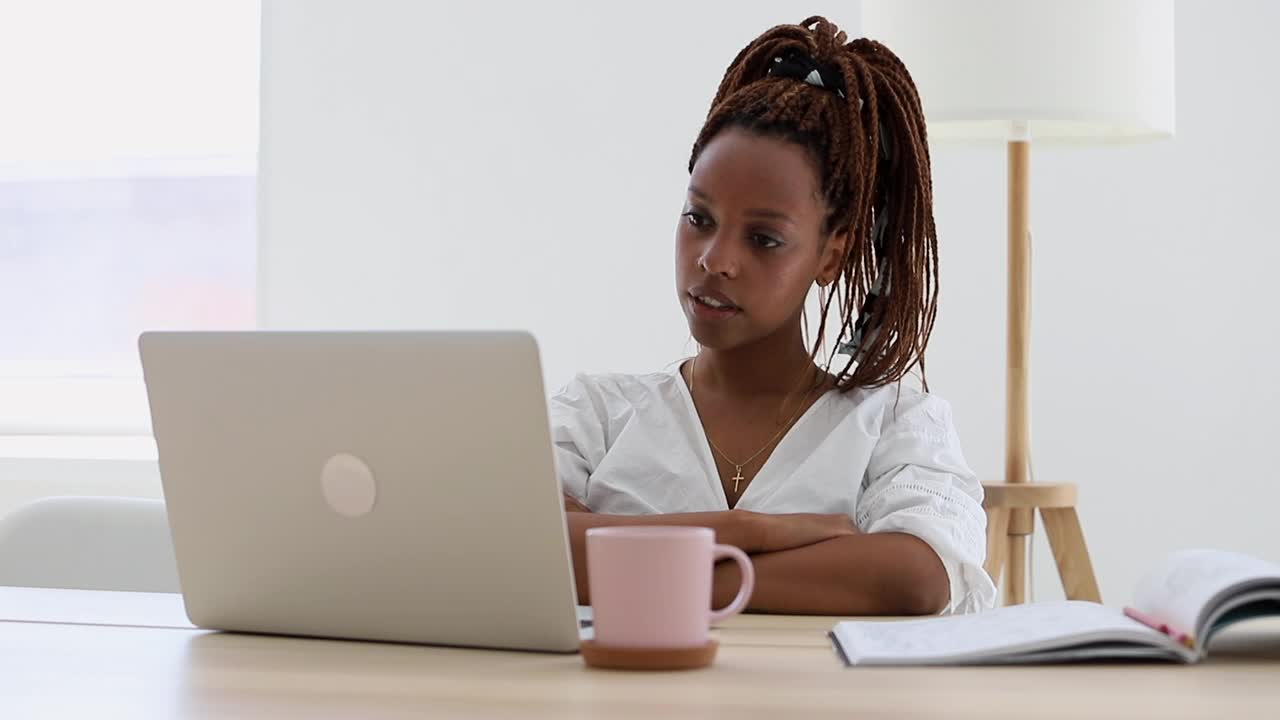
(391, 486)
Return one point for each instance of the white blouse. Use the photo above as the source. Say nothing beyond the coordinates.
(888, 457)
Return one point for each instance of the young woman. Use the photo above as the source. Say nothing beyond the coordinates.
(848, 487)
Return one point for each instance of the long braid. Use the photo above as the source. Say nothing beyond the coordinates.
(893, 287)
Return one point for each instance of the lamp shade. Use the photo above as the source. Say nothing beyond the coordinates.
(1078, 71)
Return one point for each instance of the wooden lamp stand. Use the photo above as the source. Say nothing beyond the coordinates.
(1011, 505)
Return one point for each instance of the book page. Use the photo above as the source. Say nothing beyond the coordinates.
(990, 636)
(1177, 591)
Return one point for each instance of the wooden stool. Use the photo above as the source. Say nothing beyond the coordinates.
(1010, 519)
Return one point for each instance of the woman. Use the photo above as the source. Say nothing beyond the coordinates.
(848, 487)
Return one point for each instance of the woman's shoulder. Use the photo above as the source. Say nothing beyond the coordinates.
(900, 405)
(626, 382)
(619, 390)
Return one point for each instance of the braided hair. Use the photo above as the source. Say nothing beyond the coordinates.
(854, 107)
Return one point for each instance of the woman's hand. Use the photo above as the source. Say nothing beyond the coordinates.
(773, 533)
(571, 504)
(752, 532)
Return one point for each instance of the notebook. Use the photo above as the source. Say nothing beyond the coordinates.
(1177, 608)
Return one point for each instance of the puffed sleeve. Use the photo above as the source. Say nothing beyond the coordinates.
(918, 482)
(577, 434)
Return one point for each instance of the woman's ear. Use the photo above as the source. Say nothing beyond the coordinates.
(833, 257)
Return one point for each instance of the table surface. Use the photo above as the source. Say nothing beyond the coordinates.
(74, 653)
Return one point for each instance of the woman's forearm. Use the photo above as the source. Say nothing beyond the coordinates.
(871, 574)
(751, 532)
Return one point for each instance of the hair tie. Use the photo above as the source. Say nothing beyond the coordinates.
(799, 65)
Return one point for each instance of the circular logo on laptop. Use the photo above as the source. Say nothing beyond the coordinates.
(348, 485)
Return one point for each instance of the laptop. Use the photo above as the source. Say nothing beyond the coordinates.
(392, 486)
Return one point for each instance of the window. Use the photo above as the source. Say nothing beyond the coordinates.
(127, 197)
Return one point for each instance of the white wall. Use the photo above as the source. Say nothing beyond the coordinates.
(522, 165)
(509, 164)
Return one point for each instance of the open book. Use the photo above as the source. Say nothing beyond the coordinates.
(1177, 608)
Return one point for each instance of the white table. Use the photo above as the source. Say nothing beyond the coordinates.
(78, 654)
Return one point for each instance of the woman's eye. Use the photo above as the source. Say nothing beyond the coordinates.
(696, 219)
(765, 242)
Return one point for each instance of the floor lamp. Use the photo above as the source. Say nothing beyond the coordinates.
(1013, 71)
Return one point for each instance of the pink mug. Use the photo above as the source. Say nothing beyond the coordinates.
(651, 586)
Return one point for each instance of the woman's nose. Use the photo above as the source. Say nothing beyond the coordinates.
(719, 257)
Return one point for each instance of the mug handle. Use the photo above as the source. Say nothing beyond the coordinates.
(720, 552)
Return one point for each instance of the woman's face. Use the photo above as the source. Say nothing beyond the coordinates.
(750, 242)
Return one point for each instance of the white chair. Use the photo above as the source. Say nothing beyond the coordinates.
(90, 543)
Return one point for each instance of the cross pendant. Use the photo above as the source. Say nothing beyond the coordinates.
(737, 478)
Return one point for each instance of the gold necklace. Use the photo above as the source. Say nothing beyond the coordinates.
(737, 467)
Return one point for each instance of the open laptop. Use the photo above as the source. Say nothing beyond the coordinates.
(395, 486)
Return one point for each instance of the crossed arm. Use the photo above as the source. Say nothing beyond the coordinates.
(804, 563)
